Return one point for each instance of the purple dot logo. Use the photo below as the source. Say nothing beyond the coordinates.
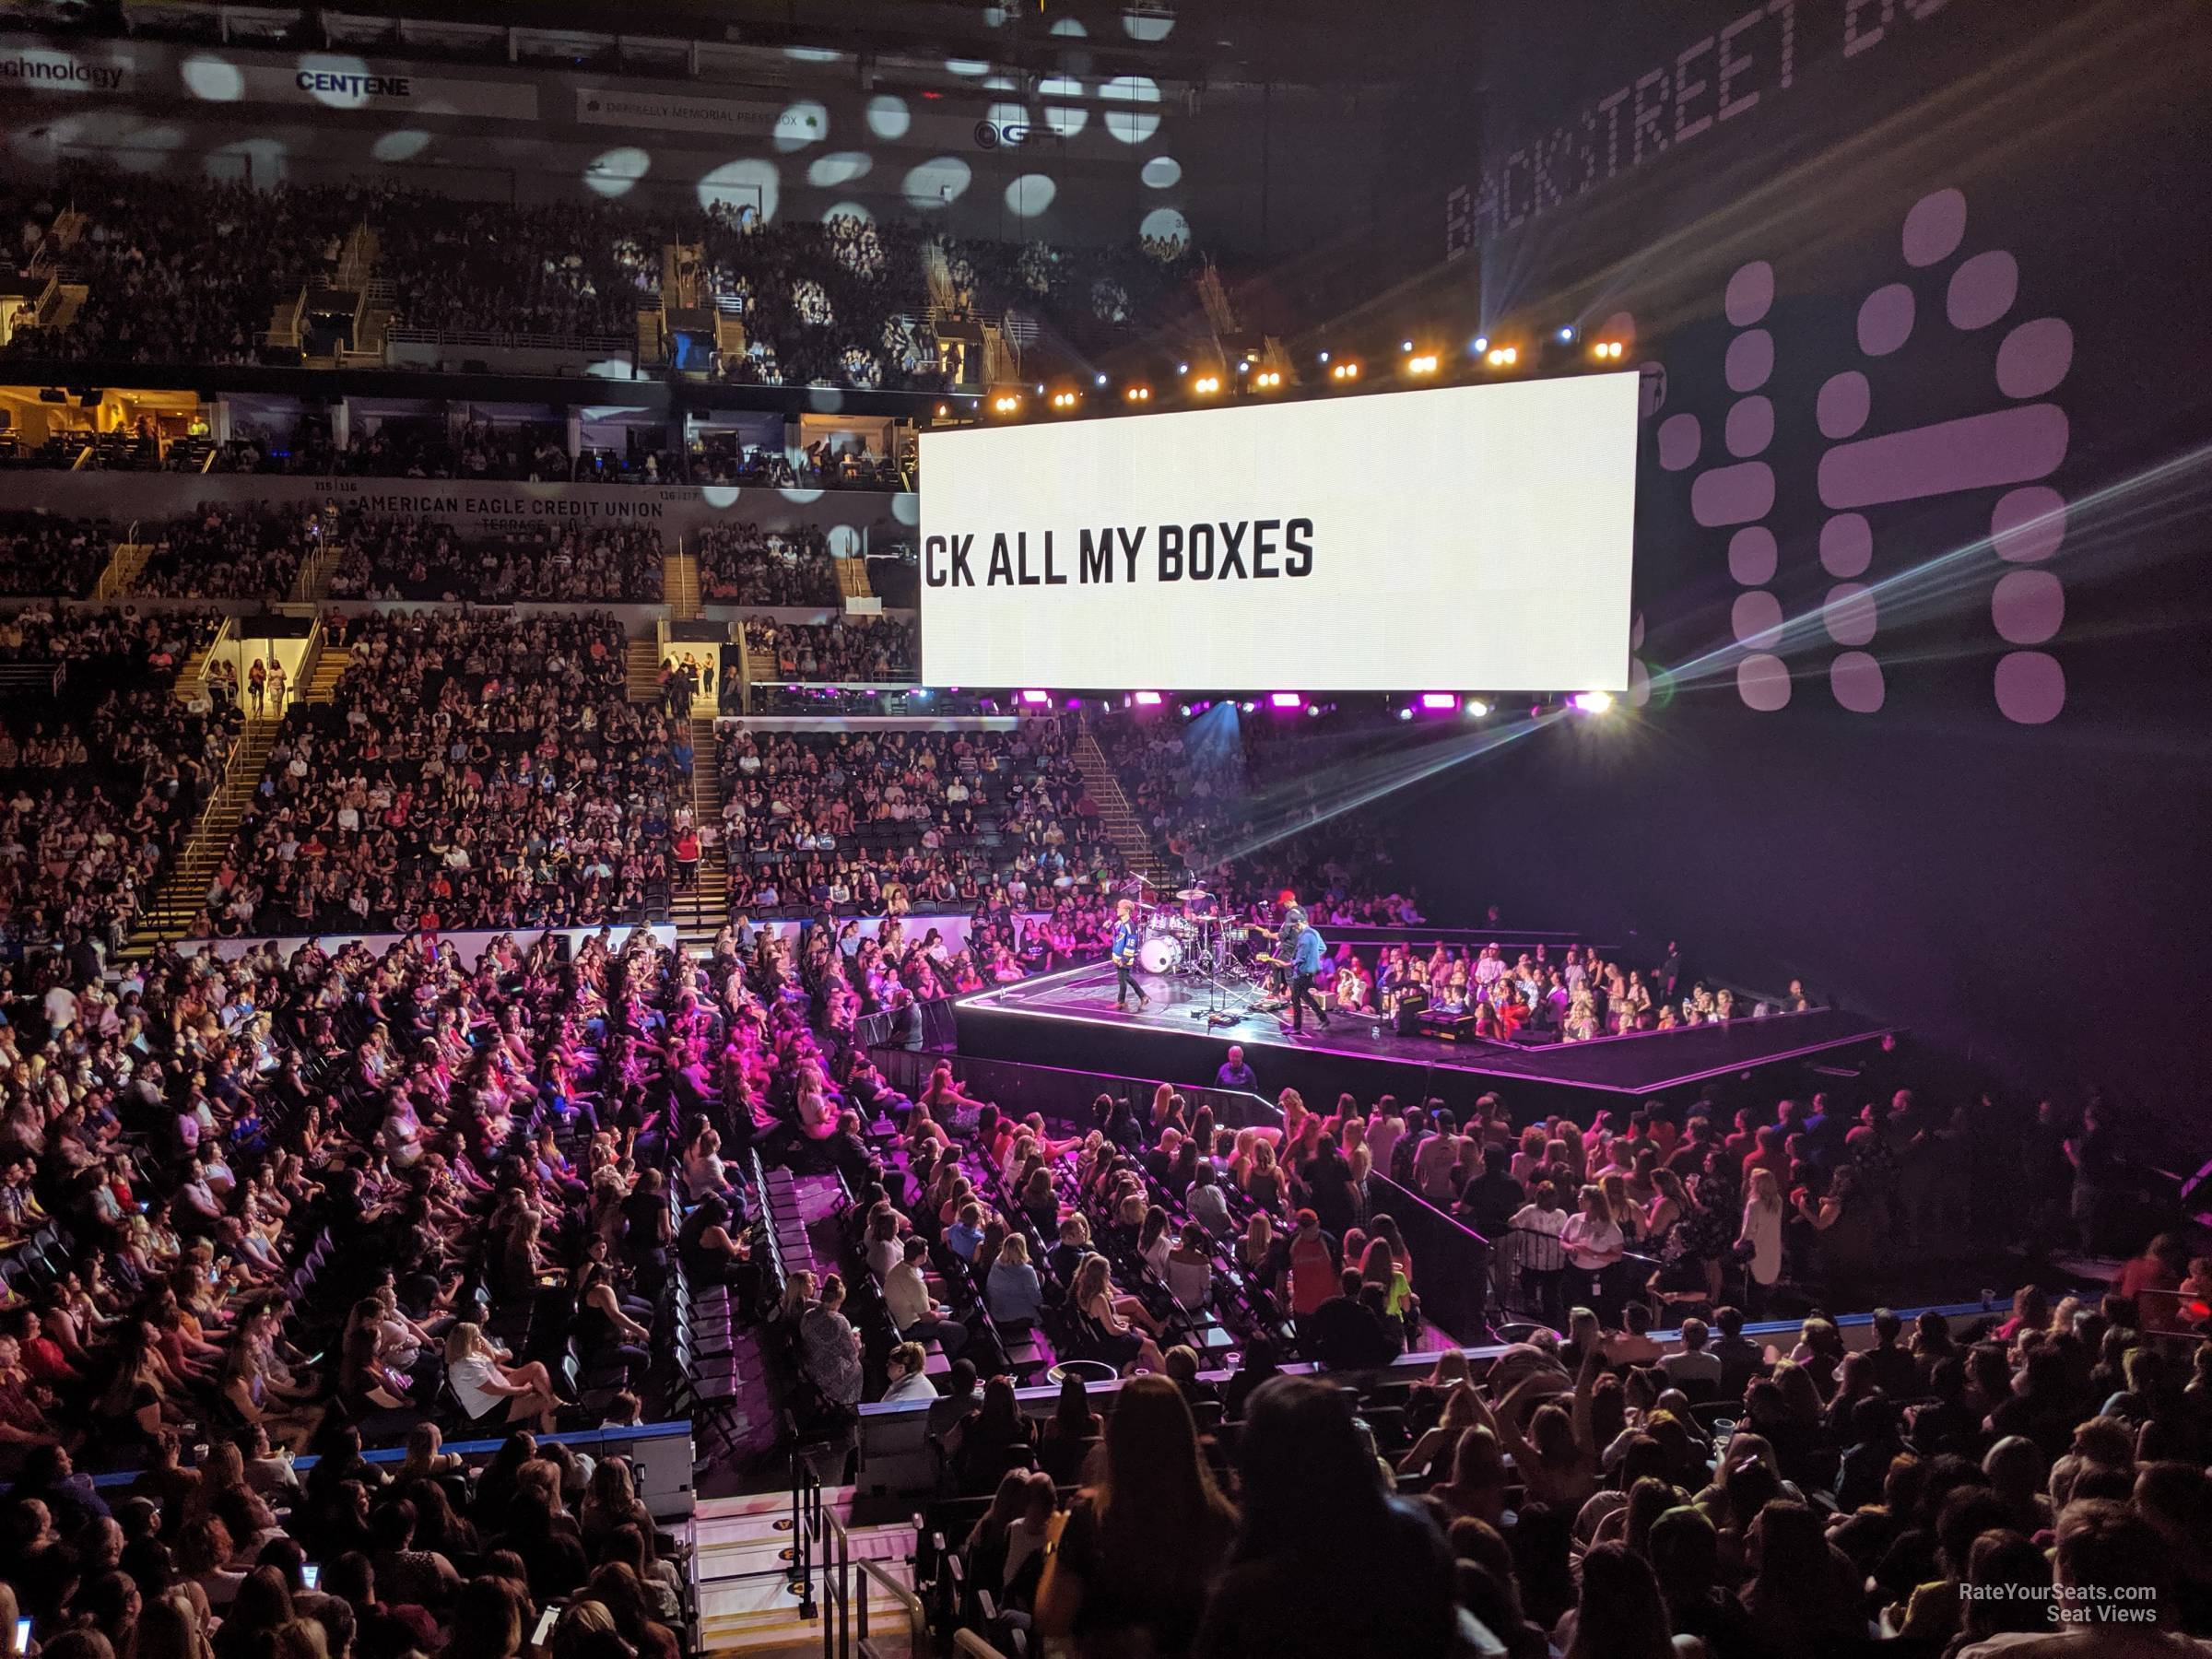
(2017, 439)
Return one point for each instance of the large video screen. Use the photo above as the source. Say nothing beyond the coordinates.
(1461, 538)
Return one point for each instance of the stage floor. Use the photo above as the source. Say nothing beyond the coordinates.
(1068, 1019)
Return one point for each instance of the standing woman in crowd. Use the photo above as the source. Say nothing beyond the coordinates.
(1141, 1547)
(1759, 1240)
(1594, 1247)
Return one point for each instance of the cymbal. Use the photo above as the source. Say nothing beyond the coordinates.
(1188, 894)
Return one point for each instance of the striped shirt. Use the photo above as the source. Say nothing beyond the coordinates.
(1537, 1233)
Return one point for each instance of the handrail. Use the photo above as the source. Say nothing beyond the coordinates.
(819, 1537)
(967, 1641)
(504, 336)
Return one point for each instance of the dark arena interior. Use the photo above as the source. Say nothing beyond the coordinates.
(1110, 828)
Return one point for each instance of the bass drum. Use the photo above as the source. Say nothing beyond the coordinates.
(1160, 953)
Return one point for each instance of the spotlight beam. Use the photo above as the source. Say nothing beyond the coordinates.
(1278, 815)
(2101, 515)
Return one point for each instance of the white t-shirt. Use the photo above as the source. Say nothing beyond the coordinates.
(1589, 1244)
(467, 1379)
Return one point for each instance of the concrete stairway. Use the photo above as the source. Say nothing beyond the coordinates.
(1118, 817)
(679, 584)
(644, 672)
(701, 913)
(759, 665)
(311, 585)
(852, 578)
(179, 898)
(122, 570)
(190, 679)
(748, 1601)
(329, 666)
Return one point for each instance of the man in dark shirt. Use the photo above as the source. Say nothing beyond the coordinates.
(1740, 1357)
(1688, 1159)
(1234, 1073)
(1329, 1178)
(1490, 1200)
(1344, 1335)
(1896, 1373)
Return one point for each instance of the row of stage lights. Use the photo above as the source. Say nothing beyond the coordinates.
(1417, 362)
(1291, 703)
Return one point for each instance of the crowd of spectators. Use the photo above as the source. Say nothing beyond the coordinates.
(858, 650)
(408, 557)
(573, 270)
(2027, 1489)
(229, 552)
(50, 557)
(907, 820)
(750, 565)
(267, 1207)
(536, 452)
(402, 447)
(1575, 995)
(180, 272)
(101, 772)
(1585, 1490)
(194, 271)
(111, 641)
(468, 771)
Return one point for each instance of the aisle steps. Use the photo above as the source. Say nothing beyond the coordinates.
(184, 893)
(745, 1601)
(679, 584)
(1119, 818)
(330, 664)
(644, 671)
(701, 913)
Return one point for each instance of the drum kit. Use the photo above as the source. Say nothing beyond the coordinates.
(1185, 937)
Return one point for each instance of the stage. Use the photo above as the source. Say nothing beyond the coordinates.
(1068, 1021)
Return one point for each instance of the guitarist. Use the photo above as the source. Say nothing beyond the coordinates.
(1300, 946)
(1124, 958)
